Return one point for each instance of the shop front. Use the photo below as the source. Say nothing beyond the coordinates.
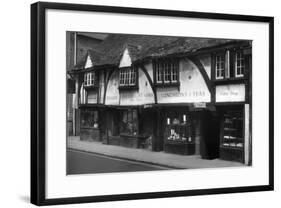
(190, 131)
(232, 137)
(127, 127)
(90, 124)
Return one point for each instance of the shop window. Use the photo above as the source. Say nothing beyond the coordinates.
(89, 79)
(233, 130)
(89, 118)
(129, 123)
(178, 127)
(128, 77)
(166, 72)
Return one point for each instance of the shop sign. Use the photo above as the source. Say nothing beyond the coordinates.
(148, 106)
(230, 93)
(199, 105)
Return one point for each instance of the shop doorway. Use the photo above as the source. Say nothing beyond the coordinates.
(210, 139)
(147, 124)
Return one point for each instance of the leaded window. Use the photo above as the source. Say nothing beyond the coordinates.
(128, 76)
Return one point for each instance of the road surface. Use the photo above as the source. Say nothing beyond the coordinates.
(79, 162)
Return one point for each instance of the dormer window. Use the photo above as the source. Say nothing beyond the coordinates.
(89, 79)
(166, 72)
(128, 76)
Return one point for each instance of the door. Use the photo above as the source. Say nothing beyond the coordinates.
(210, 139)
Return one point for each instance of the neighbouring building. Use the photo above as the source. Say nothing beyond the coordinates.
(77, 45)
(174, 94)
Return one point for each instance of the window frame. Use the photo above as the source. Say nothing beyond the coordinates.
(222, 63)
(130, 120)
(165, 71)
(242, 66)
(230, 71)
(128, 77)
(90, 79)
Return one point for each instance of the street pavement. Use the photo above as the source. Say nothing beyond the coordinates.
(79, 162)
(147, 156)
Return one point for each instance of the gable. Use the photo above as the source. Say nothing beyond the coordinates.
(88, 63)
(126, 59)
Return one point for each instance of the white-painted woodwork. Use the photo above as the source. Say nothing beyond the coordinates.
(247, 134)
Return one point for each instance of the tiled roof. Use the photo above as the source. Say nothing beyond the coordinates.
(109, 52)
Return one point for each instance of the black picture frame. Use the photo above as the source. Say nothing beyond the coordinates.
(38, 102)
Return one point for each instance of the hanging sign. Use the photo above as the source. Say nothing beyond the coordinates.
(199, 105)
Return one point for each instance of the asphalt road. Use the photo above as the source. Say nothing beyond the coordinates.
(82, 162)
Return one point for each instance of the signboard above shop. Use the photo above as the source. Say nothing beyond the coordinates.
(230, 93)
(199, 105)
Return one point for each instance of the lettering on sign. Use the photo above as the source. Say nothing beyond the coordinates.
(230, 93)
(183, 94)
(136, 98)
(199, 105)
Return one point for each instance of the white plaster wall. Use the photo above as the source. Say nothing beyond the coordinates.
(149, 69)
(144, 95)
(112, 94)
(192, 87)
(92, 97)
(206, 61)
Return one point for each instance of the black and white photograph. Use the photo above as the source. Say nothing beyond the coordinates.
(152, 103)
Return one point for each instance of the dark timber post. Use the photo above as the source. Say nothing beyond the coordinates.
(157, 144)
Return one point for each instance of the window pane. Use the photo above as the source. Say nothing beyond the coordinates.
(239, 64)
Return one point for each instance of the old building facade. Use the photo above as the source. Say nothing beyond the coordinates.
(179, 95)
(77, 43)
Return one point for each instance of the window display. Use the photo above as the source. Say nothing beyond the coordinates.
(233, 129)
(129, 122)
(89, 118)
(178, 127)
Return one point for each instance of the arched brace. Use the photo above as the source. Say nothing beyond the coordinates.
(150, 82)
(202, 71)
(106, 83)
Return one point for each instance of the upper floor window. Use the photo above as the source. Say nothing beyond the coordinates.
(239, 64)
(89, 79)
(220, 66)
(128, 77)
(230, 64)
(166, 72)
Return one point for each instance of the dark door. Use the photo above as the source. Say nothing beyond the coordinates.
(210, 139)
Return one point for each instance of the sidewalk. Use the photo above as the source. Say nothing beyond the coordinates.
(141, 155)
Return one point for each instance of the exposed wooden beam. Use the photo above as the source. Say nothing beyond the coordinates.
(203, 72)
(106, 84)
(150, 82)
